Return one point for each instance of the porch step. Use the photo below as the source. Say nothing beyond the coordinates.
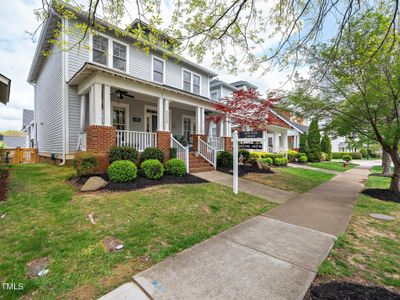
(198, 164)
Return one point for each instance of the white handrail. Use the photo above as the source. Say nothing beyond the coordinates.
(182, 152)
(218, 143)
(207, 152)
(136, 139)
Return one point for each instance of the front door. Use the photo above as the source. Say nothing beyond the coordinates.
(189, 128)
(151, 120)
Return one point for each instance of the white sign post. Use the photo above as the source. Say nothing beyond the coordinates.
(235, 141)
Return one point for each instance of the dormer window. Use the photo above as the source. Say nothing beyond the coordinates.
(119, 56)
(100, 49)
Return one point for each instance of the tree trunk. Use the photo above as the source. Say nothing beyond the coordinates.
(395, 182)
(386, 164)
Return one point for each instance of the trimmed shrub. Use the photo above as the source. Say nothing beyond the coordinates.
(364, 152)
(152, 169)
(314, 142)
(245, 154)
(292, 155)
(224, 159)
(175, 167)
(122, 153)
(347, 157)
(152, 153)
(303, 159)
(324, 156)
(268, 160)
(278, 161)
(85, 163)
(356, 155)
(300, 154)
(303, 143)
(172, 152)
(122, 171)
(326, 146)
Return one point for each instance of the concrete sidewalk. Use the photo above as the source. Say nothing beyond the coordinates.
(275, 256)
(250, 187)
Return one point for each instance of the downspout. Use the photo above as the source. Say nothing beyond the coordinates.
(64, 96)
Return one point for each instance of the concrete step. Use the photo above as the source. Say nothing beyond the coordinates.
(202, 169)
(199, 165)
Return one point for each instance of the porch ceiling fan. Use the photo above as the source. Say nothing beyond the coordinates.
(121, 94)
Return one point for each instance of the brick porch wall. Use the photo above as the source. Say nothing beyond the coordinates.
(99, 141)
(228, 144)
(196, 137)
(164, 142)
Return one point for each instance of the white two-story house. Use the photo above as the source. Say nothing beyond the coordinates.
(107, 92)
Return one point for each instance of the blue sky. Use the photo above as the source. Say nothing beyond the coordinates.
(17, 49)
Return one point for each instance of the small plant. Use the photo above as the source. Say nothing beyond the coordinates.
(356, 155)
(279, 161)
(122, 171)
(347, 157)
(324, 156)
(245, 154)
(292, 155)
(152, 153)
(172, 152)
(152, 169)
(224, 159)
(85, 163)
(268, 161)
(175, 167)
(122, 153)
(303, 159)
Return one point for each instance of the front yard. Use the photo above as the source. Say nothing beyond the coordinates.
(369, 251)
(291, 179)
(332, 165)
(45, 217)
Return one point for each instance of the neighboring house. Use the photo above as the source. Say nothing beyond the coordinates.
(12, 141)
(28, 127)
(280, 135)
(108, 92)
(339, 144)
(5, 86)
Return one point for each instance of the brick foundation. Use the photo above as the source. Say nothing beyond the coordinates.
(196, 137)
(99, 141)
(228, 144)
(164, 142)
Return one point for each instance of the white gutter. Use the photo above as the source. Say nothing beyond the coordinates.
(65, 100)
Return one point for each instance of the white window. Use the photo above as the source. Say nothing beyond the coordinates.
(214, 96)
(100, 49)
(119, 56)
(119, 118)
(196, 84)
(187, 81)
(158, 70)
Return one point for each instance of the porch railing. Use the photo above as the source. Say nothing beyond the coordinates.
(207, 152)
(136, 139)
(218, 143)
(182, 152)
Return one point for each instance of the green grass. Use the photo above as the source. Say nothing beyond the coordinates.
(369, 250)
(332, 165)
(291, 179)
(45, 217)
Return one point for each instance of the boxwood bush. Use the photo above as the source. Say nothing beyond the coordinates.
(356, 155)
(122, 153)
(85, 163)
(280, 161)
(268, 161)
(152, 169)
(292, 155)
(172, 152)
(175, 167)
(152, 153)
(303, 159)
(324, 156)
(224, 159)
(347, 157)
(122, 171)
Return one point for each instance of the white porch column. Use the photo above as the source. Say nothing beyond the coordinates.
(160, 114)
(203, 121)
(83, 113)
(221, 128)
(265, 141)
(95, 104)
(284, 136)
(166, 115)
(107, 106)
(227, 128)
(276, 142)
(200, 120)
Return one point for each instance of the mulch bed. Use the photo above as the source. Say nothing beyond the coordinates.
(348, 291)
(383, 194)
(243, 170)
(140, 182)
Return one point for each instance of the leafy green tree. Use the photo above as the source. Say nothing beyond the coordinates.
(326, 146)
(357, 83)
(303, 143)
(314, 141)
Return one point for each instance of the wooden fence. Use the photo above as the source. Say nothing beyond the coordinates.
(19, 155)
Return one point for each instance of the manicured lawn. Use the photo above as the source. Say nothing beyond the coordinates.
(45, 217)
(291, 179)
(332, 165)
(369, 250)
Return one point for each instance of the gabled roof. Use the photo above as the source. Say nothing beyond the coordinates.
(299, 127)
(243, 82)
(27, 117)
(216, 83)
(5, 85)
(48, 31)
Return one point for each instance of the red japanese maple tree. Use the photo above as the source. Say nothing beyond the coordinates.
(246, 108)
